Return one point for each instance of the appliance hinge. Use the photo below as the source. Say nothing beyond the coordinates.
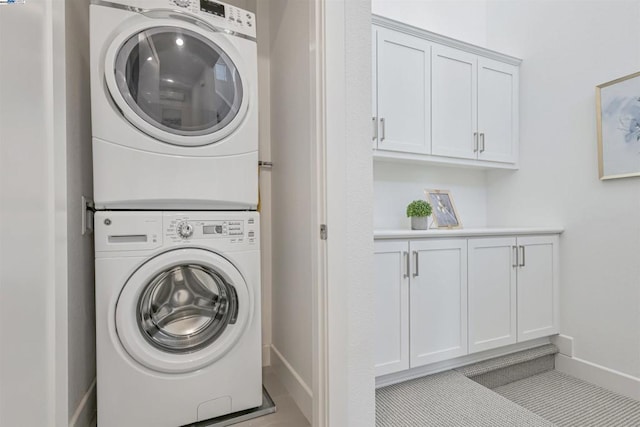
(323, 232)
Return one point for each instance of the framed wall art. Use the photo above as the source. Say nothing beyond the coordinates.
(444, 211)
(618, 120)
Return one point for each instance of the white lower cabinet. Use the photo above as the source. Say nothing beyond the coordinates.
(421, 302)
(438, 299)
(538, 291)
(492, 293)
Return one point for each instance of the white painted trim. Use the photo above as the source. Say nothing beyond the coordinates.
(564, 344)
(56, 99)
(317, 128)
(609, 379)
(266, 355)
(458, 362)
(443, 40)
(299, 391)
(86, 410)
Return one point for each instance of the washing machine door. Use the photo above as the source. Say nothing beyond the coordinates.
(177, 82)
(182, 310)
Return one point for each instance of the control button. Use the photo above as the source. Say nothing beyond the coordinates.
(185, 230)
(182, 3)
(252, 233)
(249, 24)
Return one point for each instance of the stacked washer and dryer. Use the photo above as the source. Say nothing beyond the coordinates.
(175, 154)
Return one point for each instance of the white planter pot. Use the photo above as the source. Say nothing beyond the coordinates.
(419, 222)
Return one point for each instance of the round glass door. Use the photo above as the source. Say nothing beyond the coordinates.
(182, 310)
(185, 308)
(178, 81)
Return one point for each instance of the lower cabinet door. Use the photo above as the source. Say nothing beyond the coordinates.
(438, 300)
(492, 293)
(391, 306)
(538, 276)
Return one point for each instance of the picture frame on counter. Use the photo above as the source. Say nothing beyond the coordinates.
(618, 123)
(444, 213)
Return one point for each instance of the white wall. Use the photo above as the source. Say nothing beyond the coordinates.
(464, 20)
(396, 185)
(292, 231)
(568, 48)
(27, 264)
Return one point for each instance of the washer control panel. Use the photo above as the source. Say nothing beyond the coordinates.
(181, 229)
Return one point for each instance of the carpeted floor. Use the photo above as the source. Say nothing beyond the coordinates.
(448, 399)
(568, 401)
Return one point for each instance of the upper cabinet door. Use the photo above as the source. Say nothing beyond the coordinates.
(374, 88)
(497, 111)
(403, 77)
(454, 103)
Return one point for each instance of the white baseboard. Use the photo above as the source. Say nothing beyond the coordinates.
(299, 391)
(266, 355)
(614, 381)
(86, 410)
(564, 344)
(458, 362)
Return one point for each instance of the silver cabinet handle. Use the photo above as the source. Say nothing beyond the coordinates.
(382, 138)
(515, 256)
(522, 259)
(375, 128)
(475, 142)
(482, 142)
(406, 264)
(417, 272)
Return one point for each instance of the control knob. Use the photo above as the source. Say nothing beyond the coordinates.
(185, 230)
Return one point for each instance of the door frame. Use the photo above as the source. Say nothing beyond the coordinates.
(343, 373)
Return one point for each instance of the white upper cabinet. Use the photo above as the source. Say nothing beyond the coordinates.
(402, 98)
(455, 103)
(497, 111)
(439, 100)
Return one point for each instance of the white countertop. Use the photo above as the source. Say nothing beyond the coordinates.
(463, 232)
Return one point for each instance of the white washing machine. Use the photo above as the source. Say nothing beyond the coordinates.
(174, 105)
(178, 334)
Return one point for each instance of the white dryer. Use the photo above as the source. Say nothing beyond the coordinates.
(178, 334)
(174, 105)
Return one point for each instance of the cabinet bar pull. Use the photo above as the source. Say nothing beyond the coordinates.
(515, 256)
(482, 142)
(475, 142)
(382, 138)
(522, 260)
(416, 255)
(406, 264)
(375, 129)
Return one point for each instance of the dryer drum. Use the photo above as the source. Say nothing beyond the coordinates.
(178, 81)
(186, 308)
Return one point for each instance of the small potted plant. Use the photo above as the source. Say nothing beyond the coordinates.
(419, 211)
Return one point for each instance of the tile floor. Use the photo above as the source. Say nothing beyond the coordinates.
(287, 413)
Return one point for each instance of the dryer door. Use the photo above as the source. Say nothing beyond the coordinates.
(176, 82)
(182, 310)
